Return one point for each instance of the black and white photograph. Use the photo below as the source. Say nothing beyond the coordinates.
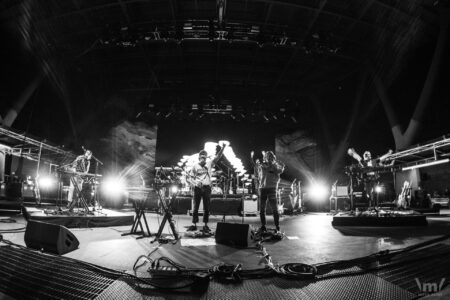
(225, 149)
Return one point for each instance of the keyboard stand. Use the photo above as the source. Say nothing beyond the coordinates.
(80, 199)
(139, 209)
(167, 218)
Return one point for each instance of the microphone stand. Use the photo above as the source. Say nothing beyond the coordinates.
(97, 160)
(95, 183)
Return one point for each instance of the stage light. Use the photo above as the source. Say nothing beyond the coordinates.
(113, 186)
(378, 189)
(174, 189)
(47, 182)
(318, 191)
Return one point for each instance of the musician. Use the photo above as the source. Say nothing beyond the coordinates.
(294, 195)
(80, 165)
(268, 178)
(200, 178)
(370, 177)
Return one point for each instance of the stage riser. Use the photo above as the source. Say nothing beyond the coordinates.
(106, 219)
(379, 221)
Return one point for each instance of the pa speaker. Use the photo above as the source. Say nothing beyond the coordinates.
(52, 238)
(233, 234)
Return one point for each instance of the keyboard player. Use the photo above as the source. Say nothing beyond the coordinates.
(369, 178)
(80, 165)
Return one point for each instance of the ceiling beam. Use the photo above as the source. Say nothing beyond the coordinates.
(268, 12)
(330, 13)
(123, 6)
(154, 78)
(218, 63)
(173, 11)
(252, 68)
(361, 14)
(308, 29)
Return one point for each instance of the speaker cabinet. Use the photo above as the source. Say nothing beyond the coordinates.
(52, 238)
(233, 234)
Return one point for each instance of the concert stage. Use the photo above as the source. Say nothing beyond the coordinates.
(383, 218)
(77, 219)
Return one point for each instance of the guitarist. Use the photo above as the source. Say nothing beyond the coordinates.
(200, 178)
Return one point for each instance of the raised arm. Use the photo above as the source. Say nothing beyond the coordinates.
(219, 154)
(355, 155)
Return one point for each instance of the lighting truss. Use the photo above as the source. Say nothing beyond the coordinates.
(426, 164)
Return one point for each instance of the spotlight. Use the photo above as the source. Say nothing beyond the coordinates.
(46, 182)
(378, 189)
(113, 186)
(318, 191)
(174, 189)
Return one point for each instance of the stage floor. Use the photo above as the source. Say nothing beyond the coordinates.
(309, 238)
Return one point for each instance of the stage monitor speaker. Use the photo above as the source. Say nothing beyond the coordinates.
(51, 238)
(341, 191)
(233, 234)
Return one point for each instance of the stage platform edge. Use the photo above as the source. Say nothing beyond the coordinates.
(380, 221)
(103, 218)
